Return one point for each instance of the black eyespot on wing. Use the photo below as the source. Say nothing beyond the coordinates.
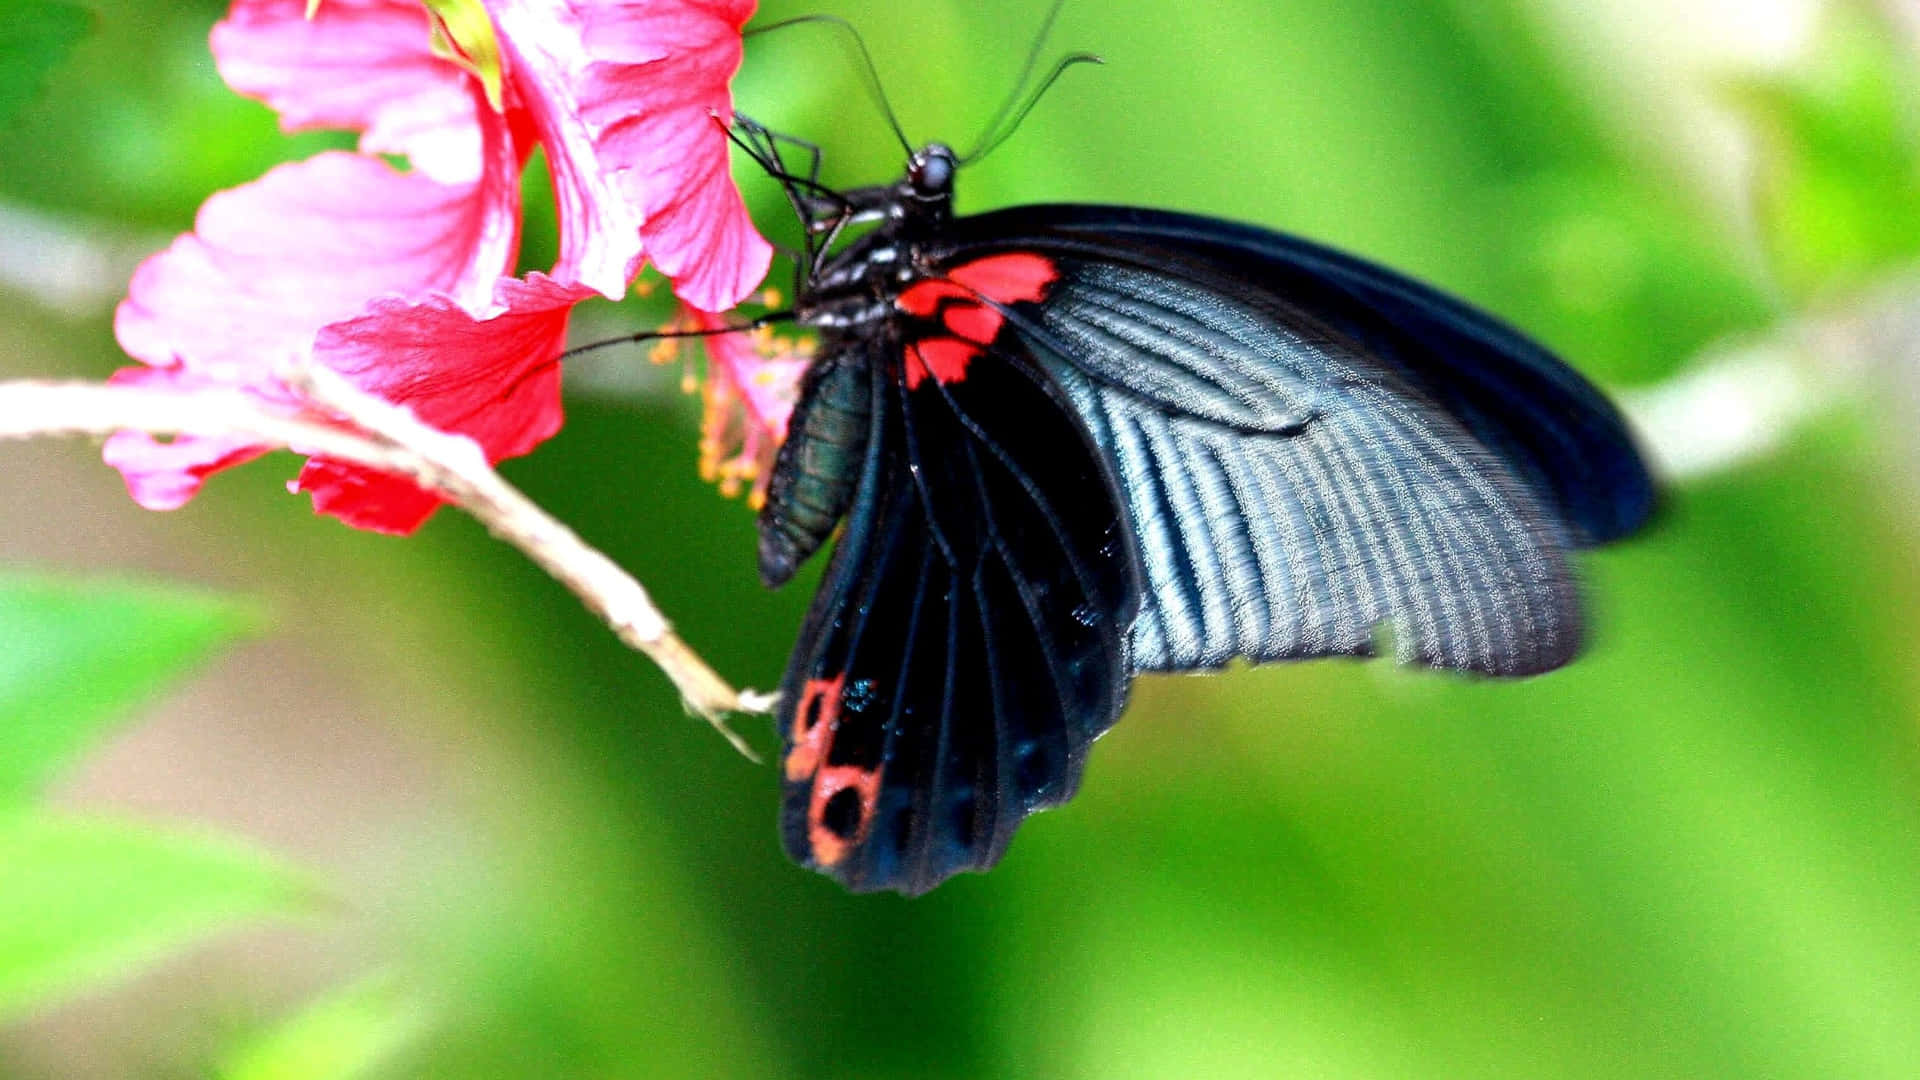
(842, 815)
(968, 644)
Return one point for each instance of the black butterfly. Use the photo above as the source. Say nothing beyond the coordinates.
(1069, 444)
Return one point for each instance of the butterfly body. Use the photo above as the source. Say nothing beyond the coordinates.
(1069, 444)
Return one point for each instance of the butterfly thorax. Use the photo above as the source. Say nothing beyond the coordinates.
(854, 286)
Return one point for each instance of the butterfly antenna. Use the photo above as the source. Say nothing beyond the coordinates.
(656, 335)
(761, 145)
(869, 72)
(1026, 72)
(992, 139)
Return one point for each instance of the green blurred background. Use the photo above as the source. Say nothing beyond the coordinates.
(337, 805)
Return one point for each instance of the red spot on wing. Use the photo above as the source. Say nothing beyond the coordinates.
(840, 806)
(944, 358)
(1008, 278)
(923, 297)
(977, 323)
(829, 830)
(815, 718)
(968, 301)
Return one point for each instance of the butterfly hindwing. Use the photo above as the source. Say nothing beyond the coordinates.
(968, 644)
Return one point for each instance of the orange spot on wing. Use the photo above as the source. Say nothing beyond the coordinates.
(944, 358)
(829, 831)
(815, 718)
(1008, 278)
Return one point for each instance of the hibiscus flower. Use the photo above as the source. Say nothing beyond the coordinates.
(400, 278)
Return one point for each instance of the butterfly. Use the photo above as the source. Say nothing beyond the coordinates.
(1064, 445)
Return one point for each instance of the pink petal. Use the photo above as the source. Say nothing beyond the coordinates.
(271, 263)
(360, 65)
(310, 243)
(633, 134)
(164, 475)
(659, 97)
(599, 225)
(494, 378)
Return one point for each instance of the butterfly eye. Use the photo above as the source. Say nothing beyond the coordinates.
(931, 171)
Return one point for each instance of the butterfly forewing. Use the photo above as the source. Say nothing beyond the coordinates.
(1517, 398)
(1293, 494)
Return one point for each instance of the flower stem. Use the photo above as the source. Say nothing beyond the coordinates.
(383, 436)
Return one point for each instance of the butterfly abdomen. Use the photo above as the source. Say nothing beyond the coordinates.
(818, 466)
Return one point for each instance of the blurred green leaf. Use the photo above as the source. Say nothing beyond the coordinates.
(84, 900)
(76, 656)
(1840, 193)
(35, 36)
(1627, 285)
(339, 1037)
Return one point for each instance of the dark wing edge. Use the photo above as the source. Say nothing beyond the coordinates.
(1515, 396)
(967, 645)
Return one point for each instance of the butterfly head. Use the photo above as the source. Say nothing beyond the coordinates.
(930, 173)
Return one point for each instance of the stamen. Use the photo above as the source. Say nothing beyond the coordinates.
(746, 375)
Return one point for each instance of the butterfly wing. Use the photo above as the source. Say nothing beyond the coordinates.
(1293, 491)
(1541, 417)
(967, 645)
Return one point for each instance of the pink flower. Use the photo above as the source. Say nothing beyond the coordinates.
(400, 279)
